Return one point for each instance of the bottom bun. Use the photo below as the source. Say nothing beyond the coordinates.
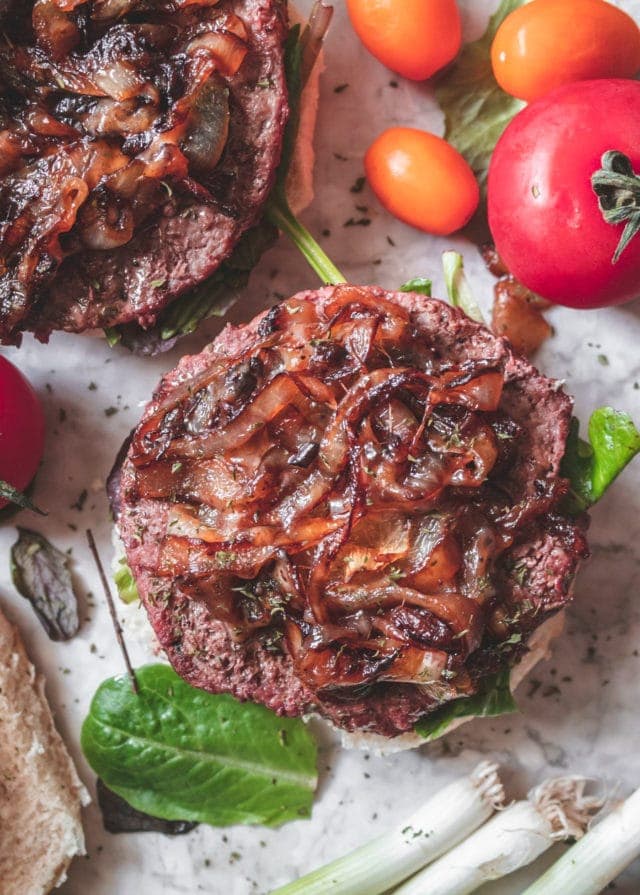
(539, 649)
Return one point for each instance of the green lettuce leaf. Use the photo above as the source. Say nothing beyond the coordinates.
(179, 753)
(476, 110)
(421, 285)
(458, 288)
(125, 582)
(593, 466)
(495, 698)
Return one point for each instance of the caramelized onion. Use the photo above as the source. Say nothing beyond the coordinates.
(358, 478)
(227, 49)
(54, 30)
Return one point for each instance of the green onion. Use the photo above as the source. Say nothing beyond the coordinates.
(512, 839)
(588, 867)
(279, 213)
(458, 288)
(444, 821)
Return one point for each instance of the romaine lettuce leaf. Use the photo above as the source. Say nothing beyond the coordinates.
(125, 582)
(179, 753)
(594, 465)
(495, 698)
(421, 285)
(458, 288)
(476, 110)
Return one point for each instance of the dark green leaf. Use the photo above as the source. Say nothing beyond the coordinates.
(593, 466)
(8, 492)
(476, 110)
(421, 285)
(182, 754)
(41, 574)
(119, 817)
(495, 698)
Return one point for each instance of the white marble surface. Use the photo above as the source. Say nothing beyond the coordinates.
(584, 713)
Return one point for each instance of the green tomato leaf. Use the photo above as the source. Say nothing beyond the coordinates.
(421, 285)
(495, 698)
(593, 466)
(476, 110)
(179, 753)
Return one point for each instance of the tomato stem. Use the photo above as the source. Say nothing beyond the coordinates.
(617, 187)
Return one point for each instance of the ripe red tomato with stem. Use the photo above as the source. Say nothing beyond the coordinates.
(21, 428)
(562, 239)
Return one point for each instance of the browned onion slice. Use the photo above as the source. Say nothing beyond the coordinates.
(54, 30)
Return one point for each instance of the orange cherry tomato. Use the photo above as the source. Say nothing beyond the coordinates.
(422, 180)
(548, 43)
(415, 38)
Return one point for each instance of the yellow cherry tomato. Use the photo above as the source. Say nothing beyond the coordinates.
(415, 38)
(548, 43)
(422, 180)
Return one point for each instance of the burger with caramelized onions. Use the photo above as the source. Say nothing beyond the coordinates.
(139, 143)
(351, 506)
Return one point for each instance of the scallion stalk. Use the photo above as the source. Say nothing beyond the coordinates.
(442, 822)
(594, 862)
(279, 213)
(458, 289)
(514, 838)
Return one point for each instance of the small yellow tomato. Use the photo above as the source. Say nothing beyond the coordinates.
(422, 180)
(415, 38)
(548, 43)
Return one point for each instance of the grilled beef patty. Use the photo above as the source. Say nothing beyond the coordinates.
(138, 141)
(351, 505)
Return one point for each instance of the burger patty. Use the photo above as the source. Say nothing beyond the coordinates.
(351, 506)
(138, 141)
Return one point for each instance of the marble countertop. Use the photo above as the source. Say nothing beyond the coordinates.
(580, 711)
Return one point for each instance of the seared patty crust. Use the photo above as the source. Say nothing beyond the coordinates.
(351, 505)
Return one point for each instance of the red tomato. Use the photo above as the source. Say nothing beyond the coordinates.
(415, 38)
(21, 428)
(548, 43)
(543, 212)
(422, 180)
